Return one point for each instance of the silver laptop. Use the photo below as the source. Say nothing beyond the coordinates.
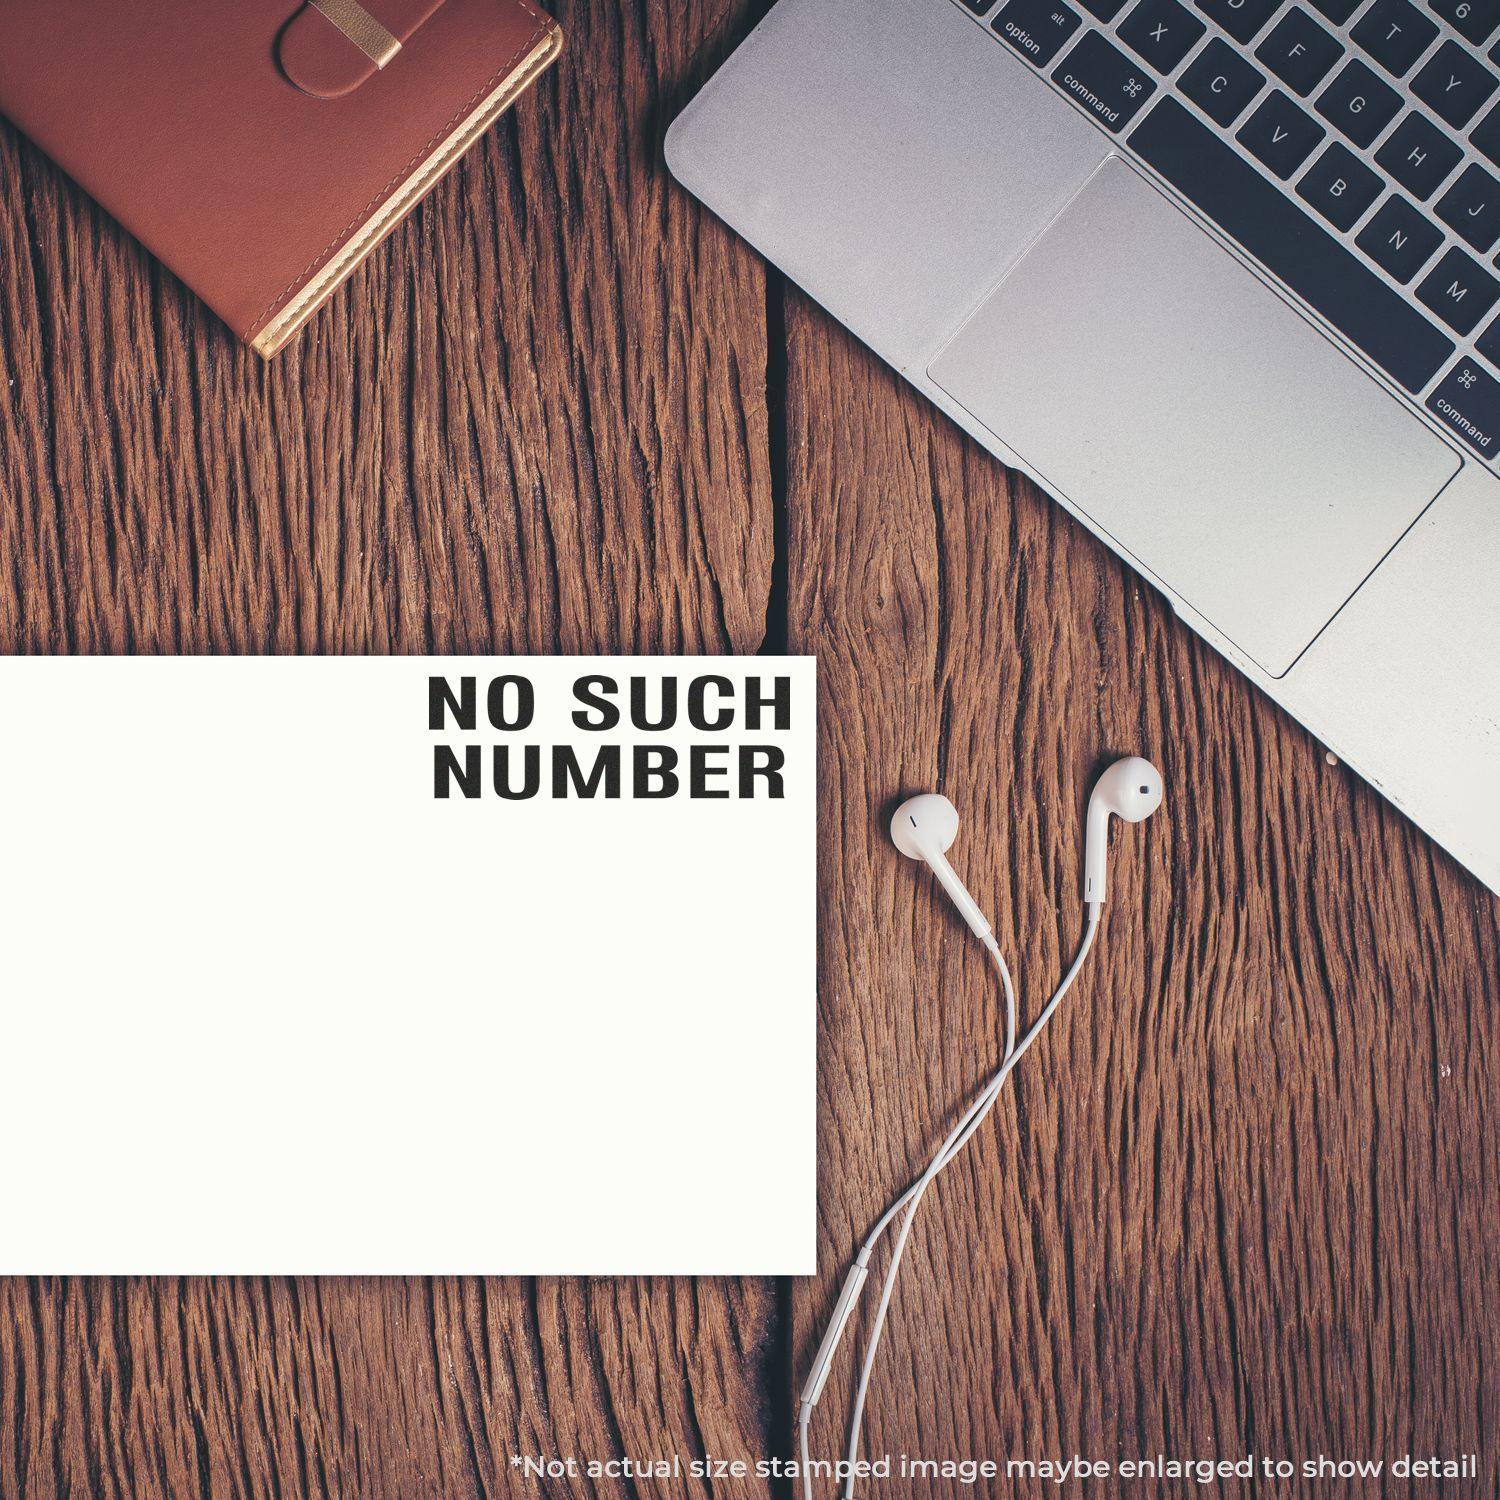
(1219, 275)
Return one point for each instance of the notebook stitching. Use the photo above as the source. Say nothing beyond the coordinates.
(542, 23)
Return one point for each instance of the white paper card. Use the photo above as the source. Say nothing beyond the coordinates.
(270, 1004)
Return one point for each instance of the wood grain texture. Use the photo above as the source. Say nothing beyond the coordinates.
(1241, 1197)
(535, 421)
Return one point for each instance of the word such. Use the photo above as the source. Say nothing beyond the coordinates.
(644, 772)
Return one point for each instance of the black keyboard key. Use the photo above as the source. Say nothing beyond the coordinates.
(1473, 20)
(1240, 18)
(1471, 208)
(1395, 34)
(1337, 11)
(1220, 82)
(1486, 135)
(1290, 244)
(1037, 29)
(1459, 291)
(1162, 32)
(1299, 52)
(1340, 186)
(1488, 343)
(1454, 84)
(1468, 400)
(1359, 103)
(1104, 81)
(1104, 10)
(1279, 134)
(979, 6)
(1418, 155)
(1398, 239)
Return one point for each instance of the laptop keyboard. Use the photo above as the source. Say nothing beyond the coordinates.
(1352, 147)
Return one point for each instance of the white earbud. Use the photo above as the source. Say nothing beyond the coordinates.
(924, 828)
(1129, 789)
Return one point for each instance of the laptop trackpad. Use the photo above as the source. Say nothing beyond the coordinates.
(1190, 413)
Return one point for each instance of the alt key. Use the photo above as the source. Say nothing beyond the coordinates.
(1468, 400)
(1036, 28)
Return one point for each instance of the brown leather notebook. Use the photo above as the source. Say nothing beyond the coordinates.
(262, 148)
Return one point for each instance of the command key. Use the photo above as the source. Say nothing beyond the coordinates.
(1104, 81)
(1468, 400)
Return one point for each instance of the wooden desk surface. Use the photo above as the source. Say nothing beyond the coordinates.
(1242, 1197)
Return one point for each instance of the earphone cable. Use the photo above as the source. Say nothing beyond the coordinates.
(862, 1260)
(956, 1140)
(969, 1123)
